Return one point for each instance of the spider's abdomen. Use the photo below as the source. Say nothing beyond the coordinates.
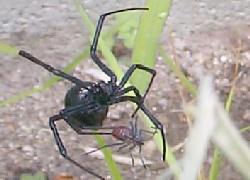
(87, 117)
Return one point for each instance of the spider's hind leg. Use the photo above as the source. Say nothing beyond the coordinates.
(62, 148)
(53, 70)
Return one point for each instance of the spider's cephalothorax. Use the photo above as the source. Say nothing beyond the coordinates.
(87, 103)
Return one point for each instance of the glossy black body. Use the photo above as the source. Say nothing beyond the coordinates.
(87, 103)
(80, 96)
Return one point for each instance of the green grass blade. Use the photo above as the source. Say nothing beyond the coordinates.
(112, 166)
(36, 176)
(189, 86)
(47, 84)
(7, 49)
(145, 51)
(229, 100)
(217, 158)
(216, 163)
(245, 129)
(107, 54)
(115, 172)
(147, 38)
(201, 131)
(228, 138)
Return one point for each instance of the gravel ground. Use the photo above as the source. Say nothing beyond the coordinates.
(198, 33)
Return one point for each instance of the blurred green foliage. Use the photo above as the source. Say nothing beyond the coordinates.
(36, 176)
(124, 28)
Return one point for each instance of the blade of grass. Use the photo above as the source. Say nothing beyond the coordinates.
(215, 166)
(228, 138)
(145, 50)
(217, 158)
(7, 49)
(36, 176)
(245, 129)
(147, 38)
(47, 84)
(188, 85)
(201, 131)
(112, 166)
(108, 55)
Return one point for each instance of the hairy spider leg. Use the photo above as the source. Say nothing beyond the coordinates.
(53, 70)
(140, 156)
(156, 123)
(150, 132)
(136, 132)
(133, 128)
(94, 45)
(129, 73)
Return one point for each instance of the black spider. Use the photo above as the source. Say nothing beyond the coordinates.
(87, 103)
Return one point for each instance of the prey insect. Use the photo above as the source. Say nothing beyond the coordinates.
(130, 137)
(87, 103)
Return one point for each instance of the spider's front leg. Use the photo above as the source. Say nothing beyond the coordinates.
(137, 94)
(94, 45)
(126, 77)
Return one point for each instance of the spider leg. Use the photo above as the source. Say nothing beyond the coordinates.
(51, 69)
(122, 147)
(105, 146)
(132, 147)
(141, 158)
(62, 148)
(94, 45)
(140, 135)
(132, 159)
(152, 133)
(155, 121)
(70, 111)
(136, 92)
(129, 73)
(133, 129)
